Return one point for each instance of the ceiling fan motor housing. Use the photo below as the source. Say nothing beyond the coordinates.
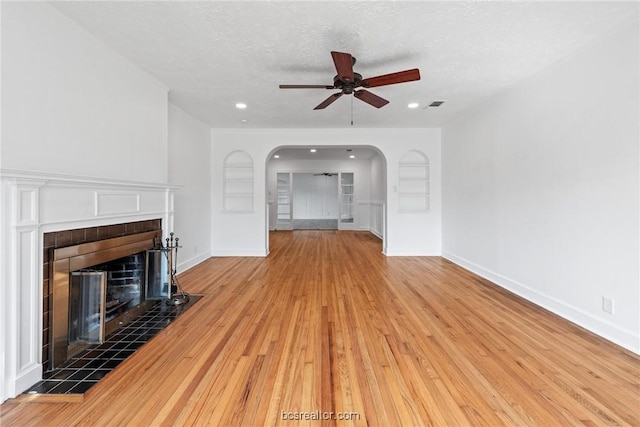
(346, 86)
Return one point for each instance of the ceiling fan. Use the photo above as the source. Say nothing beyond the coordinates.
(325, 174)
(348, 82)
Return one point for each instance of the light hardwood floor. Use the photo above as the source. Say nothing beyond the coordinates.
(327, 324)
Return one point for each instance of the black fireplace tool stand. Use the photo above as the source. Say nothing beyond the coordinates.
(177, 295)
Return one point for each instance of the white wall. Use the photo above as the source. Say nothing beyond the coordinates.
(84, 143)
(315, 196)
(71, 105)
(378, 180)
(189, 156)
(245, 233)
(541, 188)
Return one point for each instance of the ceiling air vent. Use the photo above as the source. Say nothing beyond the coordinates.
(436, 103)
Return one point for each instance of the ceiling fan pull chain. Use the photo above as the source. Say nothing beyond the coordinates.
(352, 111)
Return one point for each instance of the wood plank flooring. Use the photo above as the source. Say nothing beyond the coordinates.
(327, 327)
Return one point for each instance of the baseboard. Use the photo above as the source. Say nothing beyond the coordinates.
(239, 253)
(601, 327)
(24, 380)
(412, 252)
(192, 262)
(376, 233)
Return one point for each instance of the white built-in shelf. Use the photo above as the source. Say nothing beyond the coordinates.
(347, 211)
(284, 206)
(238, 183)
(413, 182)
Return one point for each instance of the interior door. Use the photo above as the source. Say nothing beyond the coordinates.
(347, 201)
(284, 212)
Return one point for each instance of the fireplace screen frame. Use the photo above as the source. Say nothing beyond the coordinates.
(87, 316)
(158, 286)
(78, 257)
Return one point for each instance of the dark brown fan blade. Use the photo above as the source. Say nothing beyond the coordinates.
(306, 87)
(328, 101)
(370, 98)
(393, 78)
(344, 65)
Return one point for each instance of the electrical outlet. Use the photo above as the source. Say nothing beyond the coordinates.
(607, 305)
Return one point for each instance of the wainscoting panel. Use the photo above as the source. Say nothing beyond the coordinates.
(116, 203)
(376, 218)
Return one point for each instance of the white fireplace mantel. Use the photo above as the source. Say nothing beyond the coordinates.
(34, 203)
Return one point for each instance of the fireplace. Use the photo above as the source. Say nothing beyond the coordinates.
(98, 283)
(41, 212)
(97, 287)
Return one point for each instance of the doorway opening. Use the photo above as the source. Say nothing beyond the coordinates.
(326, 187)
(314, 201)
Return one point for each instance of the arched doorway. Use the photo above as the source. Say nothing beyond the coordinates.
(360, 176)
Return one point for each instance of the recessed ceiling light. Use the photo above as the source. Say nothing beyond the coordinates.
(352, 156)
(241, 105)
(313, 150)
(276, 156)
(413, 105)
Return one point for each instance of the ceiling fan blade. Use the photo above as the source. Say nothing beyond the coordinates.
(344, 65)
(393, 78)
(328, 101)
(370, 98)
(306, 87)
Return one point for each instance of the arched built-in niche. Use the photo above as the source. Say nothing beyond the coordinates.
(413, 182)
(238, 182)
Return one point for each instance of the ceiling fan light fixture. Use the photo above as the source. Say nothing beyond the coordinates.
(413, 105)
(352, 156)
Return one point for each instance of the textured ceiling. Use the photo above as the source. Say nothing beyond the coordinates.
(325, 153)
(214, 54)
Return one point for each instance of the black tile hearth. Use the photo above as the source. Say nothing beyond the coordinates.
(84, 371)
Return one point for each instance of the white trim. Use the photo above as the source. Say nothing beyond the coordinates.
(98, 222)
(25, 379)
(81, 181)
(192, 262)
(107, 202)
(34, 203)
(601, 327)
(375, 233)
(411, 252)
(239, 253)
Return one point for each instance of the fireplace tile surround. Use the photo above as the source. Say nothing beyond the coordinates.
(60, 239)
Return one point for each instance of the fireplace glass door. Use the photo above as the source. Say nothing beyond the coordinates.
(87, 306)
(158, 275)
